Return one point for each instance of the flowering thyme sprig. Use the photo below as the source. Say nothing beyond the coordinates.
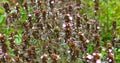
(6, 7)
(55, 58)
(44, 58)
(110, 53)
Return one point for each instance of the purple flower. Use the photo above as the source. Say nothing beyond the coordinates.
(1, 51)
(67, 25)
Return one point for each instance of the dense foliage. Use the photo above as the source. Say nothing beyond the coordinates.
(59, 31)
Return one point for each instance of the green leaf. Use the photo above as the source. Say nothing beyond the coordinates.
(90, 48)
(1, 11)
(2, 17)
